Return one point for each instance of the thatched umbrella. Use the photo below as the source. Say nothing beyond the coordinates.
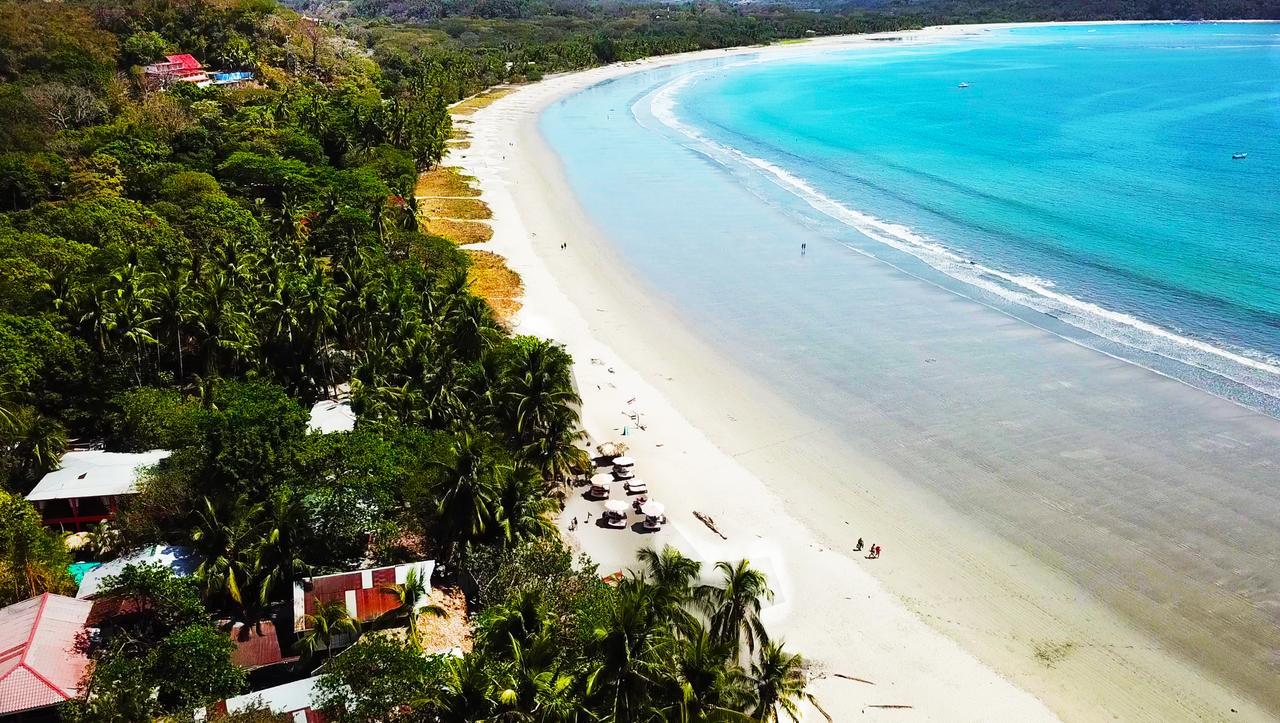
(611, 449)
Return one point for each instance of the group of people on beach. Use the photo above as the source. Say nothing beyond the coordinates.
(873, 552)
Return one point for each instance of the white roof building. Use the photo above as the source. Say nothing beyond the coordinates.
(329, 416)
(94, 473)
(181, 560)
(292, 699)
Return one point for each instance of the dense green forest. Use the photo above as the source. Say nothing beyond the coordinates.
(188, 268)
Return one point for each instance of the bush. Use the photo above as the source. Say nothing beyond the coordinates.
(150, 418)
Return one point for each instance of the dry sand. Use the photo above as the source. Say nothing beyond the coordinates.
(984, 632)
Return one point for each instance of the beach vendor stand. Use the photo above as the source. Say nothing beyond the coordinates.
(654, 515)
(615, 513)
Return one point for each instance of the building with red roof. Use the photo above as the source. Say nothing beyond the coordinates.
(182, 66)
(39, 663)
(361, 591)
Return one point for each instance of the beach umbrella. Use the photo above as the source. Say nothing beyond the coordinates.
(604, 479)
(612, 449)
(653, 508)
(623, 462)
(617, 506)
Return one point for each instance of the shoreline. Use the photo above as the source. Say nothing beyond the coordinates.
(728, 447)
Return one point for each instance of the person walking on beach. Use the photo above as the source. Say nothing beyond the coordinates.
(871, 552)
(858, 547)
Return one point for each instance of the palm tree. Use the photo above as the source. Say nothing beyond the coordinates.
(465, 692)
(226, 540)
(710, 685)
(630, 651)
(779, 681)
(516, 621)
(539, 388)
(466, 488)
(328, 623)
(37, 442)
(409, 596)
(555, 451)
(672, 575)
(522, 513)
(276, 560)
(734, 609)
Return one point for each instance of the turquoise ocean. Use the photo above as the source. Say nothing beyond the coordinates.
(1050, 299)
(1084, 172)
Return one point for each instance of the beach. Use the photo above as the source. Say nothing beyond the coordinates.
(954, 622)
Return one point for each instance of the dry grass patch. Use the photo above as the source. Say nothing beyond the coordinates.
(492, 281)
(459, 232)
(458, 145)
(476, 102)
(459, 134)
(442, 634)
(455, 208)
(445, 181)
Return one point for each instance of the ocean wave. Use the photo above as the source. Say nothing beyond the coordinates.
(1251, 368)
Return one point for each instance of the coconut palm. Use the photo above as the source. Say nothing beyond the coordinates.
(555, 452)
(734, 607)
(36, 441)
(779, 681)
(539, 387)
(709, 684)
(467, 488)
(672, 575)
(521, 512)
(409, 595)
(326, 625)
(277, 562)
(226, 539)
(630, 651)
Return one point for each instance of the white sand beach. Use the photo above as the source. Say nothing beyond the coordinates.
(952, 623)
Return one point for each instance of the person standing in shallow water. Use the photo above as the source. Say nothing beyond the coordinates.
(802, 248)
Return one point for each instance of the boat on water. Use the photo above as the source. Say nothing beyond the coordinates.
(1239, 156)
(964, 85)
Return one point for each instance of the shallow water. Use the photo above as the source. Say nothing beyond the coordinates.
(1043, 389)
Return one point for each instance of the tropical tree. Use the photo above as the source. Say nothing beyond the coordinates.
(779, 680)
(325, 626)
(466, 488)
(227, 538)
(709, 685)
(409, 595)
(672, 574)
(33, 558)
(733, 608)
(521, 512)
(629, 653)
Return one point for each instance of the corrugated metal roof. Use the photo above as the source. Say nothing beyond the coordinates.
(95, 473)
(39, 665)
(293, 699)
(330, 416)
(181, 560)
(257, 645)
(360, 591)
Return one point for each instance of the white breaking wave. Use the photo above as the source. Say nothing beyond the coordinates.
(1259, 373)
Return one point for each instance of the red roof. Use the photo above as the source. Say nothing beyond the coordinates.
(39, 665)
(187, 60)
(257, 645)
(360, 591)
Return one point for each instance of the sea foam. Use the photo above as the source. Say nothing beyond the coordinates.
(1252, 369)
